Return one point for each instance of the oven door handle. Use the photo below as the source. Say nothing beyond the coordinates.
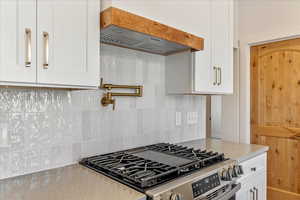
(231, 193)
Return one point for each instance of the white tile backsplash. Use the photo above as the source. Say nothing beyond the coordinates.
(51, 128)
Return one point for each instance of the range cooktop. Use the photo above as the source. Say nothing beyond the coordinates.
(146, 167)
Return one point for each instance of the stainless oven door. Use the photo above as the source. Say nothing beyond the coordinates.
(230, 195)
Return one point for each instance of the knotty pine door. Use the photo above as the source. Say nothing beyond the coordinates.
(275, 114)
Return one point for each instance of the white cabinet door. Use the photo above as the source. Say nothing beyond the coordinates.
(254, 180)
(222, 44)
(254, 188)
(68, 42)
(260, 186)
(247, 191)
(17, 41)
(212, 68)
(203, 70)
(244, 193)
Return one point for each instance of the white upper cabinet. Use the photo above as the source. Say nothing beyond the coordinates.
(18, 41)
(68, 42)
(209, 71)
(203, 74)
(222, 45)
(59, 40)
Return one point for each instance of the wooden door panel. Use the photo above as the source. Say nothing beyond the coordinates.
(280, 86)
(277, 194)
(283, 156)
(275, 114)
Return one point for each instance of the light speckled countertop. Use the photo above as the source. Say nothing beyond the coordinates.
(235, 151)
(73, 182)
(79, 183)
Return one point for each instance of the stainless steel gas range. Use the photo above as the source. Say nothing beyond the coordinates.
(171, 172)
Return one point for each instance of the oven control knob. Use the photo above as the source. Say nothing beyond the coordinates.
(226, 175)
(223, 175)
(176, 197)
(235, 171)
(231, 172)
(240, 170)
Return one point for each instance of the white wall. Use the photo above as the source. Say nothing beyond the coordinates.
(261, 21)
(230, 108)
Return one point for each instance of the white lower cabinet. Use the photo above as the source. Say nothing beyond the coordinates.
(260, 186)
(254, 180)
(253, 188)
(244, 193)
(50, 43)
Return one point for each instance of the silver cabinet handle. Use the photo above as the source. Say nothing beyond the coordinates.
(28, 48)
(252, 194)
(256, 193)
(216, 75)
(46, 50)
(220, 76)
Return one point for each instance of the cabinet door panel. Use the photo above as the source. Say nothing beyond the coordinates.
(261, 186)
(244, 193)
(73, 45)
(15, 18)
(222, 43)
(203, 70)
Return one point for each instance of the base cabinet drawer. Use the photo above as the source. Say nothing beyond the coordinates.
(254, 165)
(254, 180)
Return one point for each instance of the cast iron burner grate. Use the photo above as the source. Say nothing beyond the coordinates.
(149, 166)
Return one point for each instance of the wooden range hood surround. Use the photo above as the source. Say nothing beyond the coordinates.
(124, 29)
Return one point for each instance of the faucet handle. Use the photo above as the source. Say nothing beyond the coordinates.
(107, 99)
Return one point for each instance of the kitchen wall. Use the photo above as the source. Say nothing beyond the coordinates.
(42, 129)
(261, 21)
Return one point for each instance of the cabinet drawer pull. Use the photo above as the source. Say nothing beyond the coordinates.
(256, 193)
(253, 169)
(252, 194)
(220, 76)
(216, 75)
(46, 50)
(28, 48)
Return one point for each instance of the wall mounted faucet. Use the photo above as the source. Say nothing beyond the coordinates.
(107, 98)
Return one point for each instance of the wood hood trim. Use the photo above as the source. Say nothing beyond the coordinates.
(127, 20)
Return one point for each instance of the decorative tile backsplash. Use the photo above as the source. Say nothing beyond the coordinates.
(43, 128)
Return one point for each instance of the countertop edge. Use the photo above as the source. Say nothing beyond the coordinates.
(239, 152)
(254, 154)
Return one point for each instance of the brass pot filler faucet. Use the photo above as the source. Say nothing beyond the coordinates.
(108, 96)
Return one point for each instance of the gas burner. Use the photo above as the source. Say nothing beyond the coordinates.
(145, 167)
